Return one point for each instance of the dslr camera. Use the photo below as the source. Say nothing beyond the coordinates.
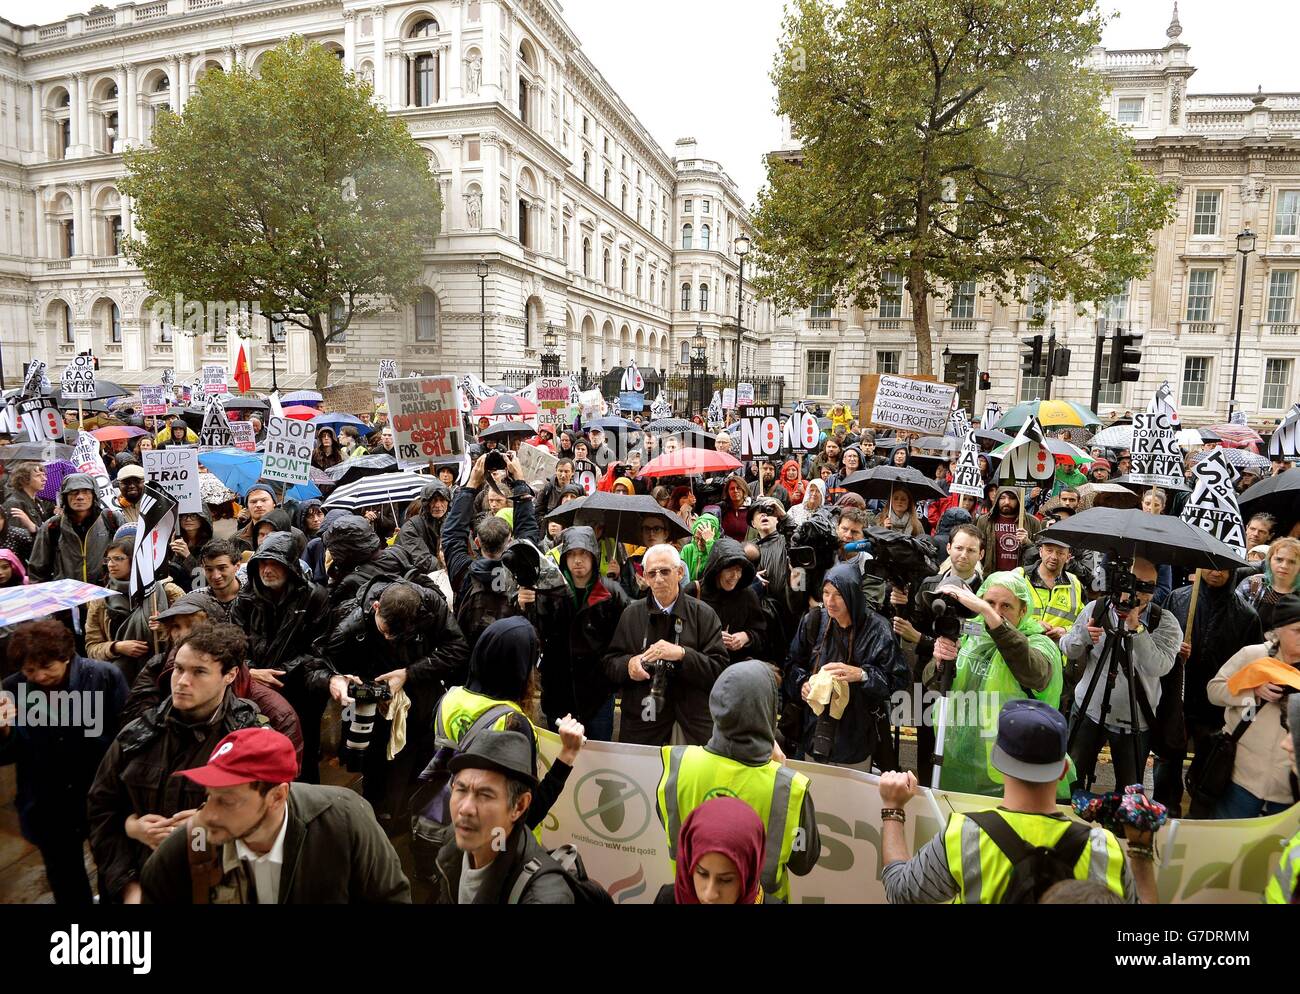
(661, 672)
(356, 741)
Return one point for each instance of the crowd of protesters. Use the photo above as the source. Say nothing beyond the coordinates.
(740, 622)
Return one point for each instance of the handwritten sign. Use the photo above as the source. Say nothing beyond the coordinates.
(176, 470)
(425, 415)
(287, 453)
(907, 404)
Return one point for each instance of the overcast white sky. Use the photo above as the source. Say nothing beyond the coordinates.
(700, 67)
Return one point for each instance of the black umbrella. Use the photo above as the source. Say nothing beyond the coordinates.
(354, 469)
(1159, 538)
(506, 429)
(620, 514)
(1141, 488)
(246, 404)
(103, 391)
(880, 482)
(1277, 495)
(992, 436)
(42, 452)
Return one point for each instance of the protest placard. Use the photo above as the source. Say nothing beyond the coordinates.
(729, 399)
(967, 478)
(744, 393)
(553, 401)
(152, 403)
(387, 370)
(176, 470)
(992, 415)
(1285, 442)
(158, 518)
(632, 402)
(801, 432)
(34, 378)
(1157, 459)
(79, 378)
(907, 404)
(243, 436)
(214, 380)
(426, 419)
(592, 405)
(86, 457)
(633, 381)
(286, 456)
(1213, 505)
(42, 419)
(760, 432)
(1027, 462)
(586, 474)
(536, 462)
(215, 433)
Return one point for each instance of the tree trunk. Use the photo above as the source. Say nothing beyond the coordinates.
(920, 318)
(322, 353)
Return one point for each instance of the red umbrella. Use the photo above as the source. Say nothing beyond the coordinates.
(118, 433)
(691, 462)
(504, 403)
(300, 413)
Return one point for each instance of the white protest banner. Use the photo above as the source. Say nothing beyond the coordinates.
(1027, 462)
(1163, 401)
(760, 432)
(1157, 459)
(536, 462)
(79, 378)
(586, 474)
(387, 371)
(86, 457)
(1238, 418)
(592, 405)
(1213, 506)
(633, 381)
(729, 399)
(992, 415)
(35, 376)
(801, 432)
(243, 436)
(152, 404)
(744, 393)
(277, 409)
(158, 517)
(1285, 442)
(967, 478)
(42, 419)
(608, 812)
(661, 408)
(214, 380)
(959, 425)
(425, 415)
(176, 470)
(714, 416)
(912, 405)
(215, 433)
(286, 456)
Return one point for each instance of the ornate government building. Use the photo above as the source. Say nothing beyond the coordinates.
(560, 211)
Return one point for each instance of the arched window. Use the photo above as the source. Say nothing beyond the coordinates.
(622, 276)
(687, 234)
(115, 324)
(704, 236)
(605, 190)
(586, 168)
(652, 217)
(523, 223)
(162, 85)
(607, 272)
(622, 199)
(426, 318)
(639, 284)
(704, 296)
(684, 356)
(663, 293)
(424, 28)
(523, 100)
(686, 296)
(586, 257)
(638, 210)
(425, 89)
(69, 336)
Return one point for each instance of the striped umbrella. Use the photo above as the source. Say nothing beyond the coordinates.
(1237, 436)
(376, 491)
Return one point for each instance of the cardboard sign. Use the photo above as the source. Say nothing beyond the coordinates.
(1157, 459)
(86, 457)
(286, 456)
(243, 436)
(387, 371)
(967, 479)
(214, 380)
(1027, 462)
(42, 419)
(1213, 505)
(909, 404)
(760, 432)
(586, 474)
(801, 432)
(158, 517)
(536, 462)
(152, 404)
(1285, 443)
(79, 378)
(175, 470)
(425, 415)
(215, 433)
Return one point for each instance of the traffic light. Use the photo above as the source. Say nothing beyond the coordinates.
(1125, 354)
(1031, 362)
(985, 382)
(96, 359)
(1061, 362)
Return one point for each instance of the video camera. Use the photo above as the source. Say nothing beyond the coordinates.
(1120, 585)
(947, 614)
(897, 558)
(367, 698)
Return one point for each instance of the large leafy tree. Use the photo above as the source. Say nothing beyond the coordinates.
(291, 189)
(945, 141)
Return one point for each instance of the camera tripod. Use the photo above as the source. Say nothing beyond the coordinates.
(1115, 658)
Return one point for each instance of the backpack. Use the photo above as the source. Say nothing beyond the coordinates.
(567, 861)
(1033, 868)
(478, 605)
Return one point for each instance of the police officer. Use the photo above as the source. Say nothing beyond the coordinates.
(968, 862)
(740, 760)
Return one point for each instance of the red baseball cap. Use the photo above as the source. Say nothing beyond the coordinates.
(246, 756)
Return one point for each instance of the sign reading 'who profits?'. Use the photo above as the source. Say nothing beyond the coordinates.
(907, 404)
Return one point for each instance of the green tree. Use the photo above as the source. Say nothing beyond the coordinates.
(291, 189)
(946, 141)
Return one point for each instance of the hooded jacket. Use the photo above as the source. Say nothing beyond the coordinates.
(986, 525)
(65, 551)
(281, 629)
(869, 645)
(740, 609)
(794, 490)
(300, 517)
(315, 554)
(20, 572)
(280, 520)
(182, 568)
(421, 534)
(1224, 623)
(835, 485)
(576, 625)
(691, 555)
(357, 554)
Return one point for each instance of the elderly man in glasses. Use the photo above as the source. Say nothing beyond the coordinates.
(1153, 637)
(666, 653)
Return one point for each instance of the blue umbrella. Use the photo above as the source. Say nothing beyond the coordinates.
(336, 421)
(308, 397)
(239, 470)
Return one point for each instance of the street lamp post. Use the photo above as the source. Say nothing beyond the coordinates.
(550, 353)
(270, 347)
(699, 364)
(482, 272)
(742, 250)
(1245, 246)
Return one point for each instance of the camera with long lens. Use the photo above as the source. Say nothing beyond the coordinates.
(824, 732)
(947, 614)
(661, 672)
(356, 741)
(1120, 585)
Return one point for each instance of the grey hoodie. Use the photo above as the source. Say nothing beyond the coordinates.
(64, 552)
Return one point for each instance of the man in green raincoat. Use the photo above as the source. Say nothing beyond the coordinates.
(704, 533)
(1005, 654)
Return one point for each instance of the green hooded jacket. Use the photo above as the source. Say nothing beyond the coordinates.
(691, 555)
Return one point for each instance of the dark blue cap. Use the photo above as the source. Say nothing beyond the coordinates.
(1032, 736)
